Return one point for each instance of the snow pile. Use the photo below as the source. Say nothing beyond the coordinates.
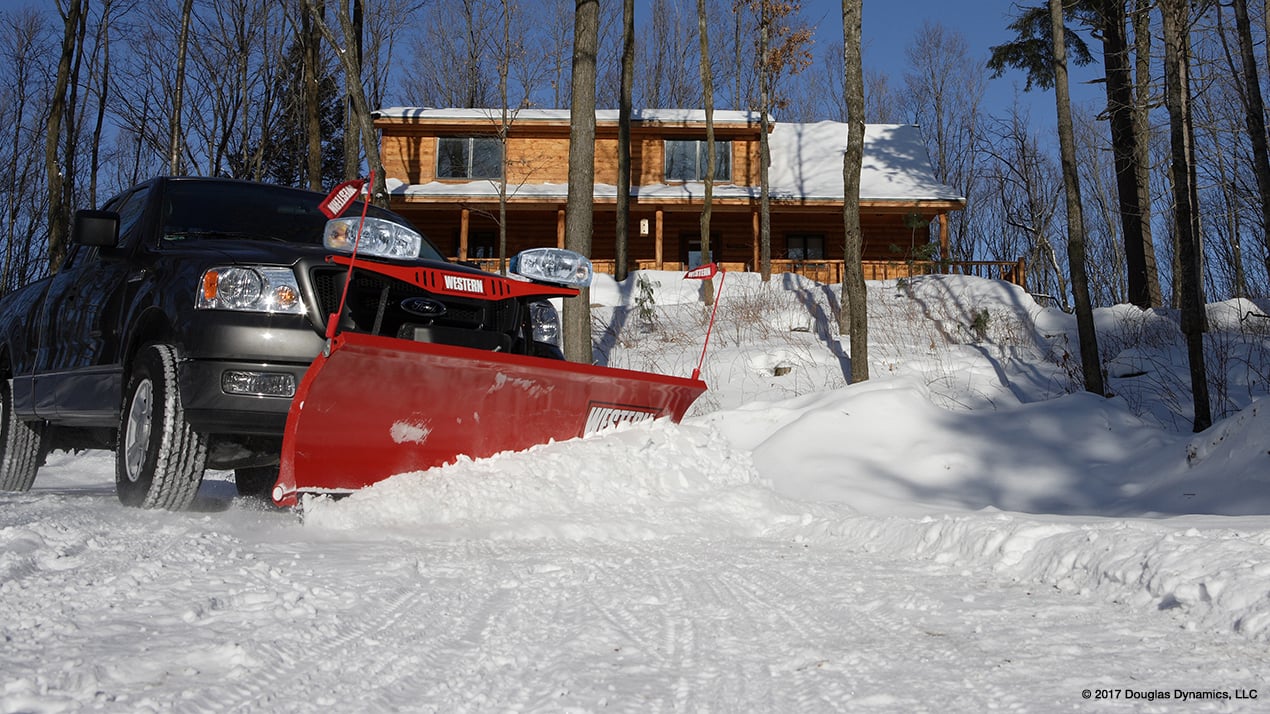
(644, 481)
(1207, 575)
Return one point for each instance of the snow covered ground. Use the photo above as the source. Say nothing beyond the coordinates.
(966, 531)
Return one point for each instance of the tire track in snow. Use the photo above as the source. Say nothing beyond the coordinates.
(284, 678)
(403, 639)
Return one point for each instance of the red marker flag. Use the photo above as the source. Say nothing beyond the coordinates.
(702, 272)
(341, 197)
(706, 272)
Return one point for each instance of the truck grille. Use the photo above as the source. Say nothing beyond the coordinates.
(374, 305)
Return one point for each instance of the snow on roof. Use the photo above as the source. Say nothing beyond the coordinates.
(666, 116)
(807, 163)
(806, 160)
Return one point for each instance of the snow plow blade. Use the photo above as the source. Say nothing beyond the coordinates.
(377, 406)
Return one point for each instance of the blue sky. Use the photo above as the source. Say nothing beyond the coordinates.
(890, 26)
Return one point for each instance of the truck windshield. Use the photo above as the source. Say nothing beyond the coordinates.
(197, 210)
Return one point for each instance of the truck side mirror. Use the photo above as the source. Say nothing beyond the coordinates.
(95, 228)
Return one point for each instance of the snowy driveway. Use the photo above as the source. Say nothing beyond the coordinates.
(114, 609)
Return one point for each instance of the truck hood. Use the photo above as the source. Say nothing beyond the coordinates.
(265, 252)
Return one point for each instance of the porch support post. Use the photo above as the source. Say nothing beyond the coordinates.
(659, 249)
(754, 233)
(943, 242)
(559, 227)
(465, 217)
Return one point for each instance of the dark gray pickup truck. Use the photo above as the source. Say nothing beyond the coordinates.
(184, 316)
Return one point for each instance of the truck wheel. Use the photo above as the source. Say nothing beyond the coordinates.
(159, 459)
(255, 481)
(19, 445)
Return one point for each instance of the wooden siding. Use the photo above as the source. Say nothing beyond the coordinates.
(545, 159)
(886, 238)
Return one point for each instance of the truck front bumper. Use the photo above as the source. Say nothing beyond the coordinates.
(240, 372)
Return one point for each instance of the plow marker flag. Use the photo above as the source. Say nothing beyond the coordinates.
(706, 272)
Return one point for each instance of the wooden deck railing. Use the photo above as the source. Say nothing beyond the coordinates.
(830, 271)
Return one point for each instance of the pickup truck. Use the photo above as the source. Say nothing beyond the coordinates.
(186, 313)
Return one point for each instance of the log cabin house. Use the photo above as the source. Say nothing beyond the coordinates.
(446, 167)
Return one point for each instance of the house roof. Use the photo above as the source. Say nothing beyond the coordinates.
(806, 160)
(649, 116)
(807, 163)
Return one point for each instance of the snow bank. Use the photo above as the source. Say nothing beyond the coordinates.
(825, 466)
(642, 481)
(1208, 575)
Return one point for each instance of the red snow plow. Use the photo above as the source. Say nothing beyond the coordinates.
(421, 394)
(377, 406)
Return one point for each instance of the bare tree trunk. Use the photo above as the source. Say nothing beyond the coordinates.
(707, 93)
(311, 37)
(765, 200)
(1124, 134)
(16, 173)
(102, 95)
(622, 243)
(1175, 23)
(578, 218)
(1088, 335)
(504, 130)
(70, 151)
(351, 56)
(362, 126)
(178, 91)
(473, 61)
(1142, 141)
(1255, 113)
(854, 290)
(738, 60)
(59, 210)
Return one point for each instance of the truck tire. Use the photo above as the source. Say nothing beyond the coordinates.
(159, 460)
(19, 445)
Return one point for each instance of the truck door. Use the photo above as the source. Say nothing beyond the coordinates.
(79, 375)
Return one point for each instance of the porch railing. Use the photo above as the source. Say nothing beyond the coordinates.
(830, 271)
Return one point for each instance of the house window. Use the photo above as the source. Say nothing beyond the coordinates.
(692, 245)
(469, 157)
(686, 160)
(805, 246)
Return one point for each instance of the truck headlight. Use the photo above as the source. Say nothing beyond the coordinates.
(250, 289)
(556, 266)
(545, 321)
(379, 237)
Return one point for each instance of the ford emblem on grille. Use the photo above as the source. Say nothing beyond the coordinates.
(423, 307)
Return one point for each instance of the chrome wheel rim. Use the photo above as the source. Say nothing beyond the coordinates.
(137, 434)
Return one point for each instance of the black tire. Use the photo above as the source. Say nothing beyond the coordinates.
(256, 481)
(19, 445)
(159, 459)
